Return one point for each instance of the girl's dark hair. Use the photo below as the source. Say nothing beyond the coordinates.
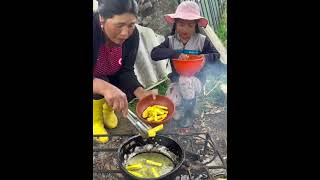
(109, 8)
(173, 30)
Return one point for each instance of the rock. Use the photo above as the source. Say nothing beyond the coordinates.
(146, 20)
(139, 20)
(141, 1)
(144, 5)
(146, 9)
(147, 5)
(157, 11)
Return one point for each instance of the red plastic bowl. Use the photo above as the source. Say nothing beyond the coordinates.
(190, 66)
(147, 101)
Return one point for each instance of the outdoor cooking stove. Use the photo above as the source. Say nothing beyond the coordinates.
(202, 160)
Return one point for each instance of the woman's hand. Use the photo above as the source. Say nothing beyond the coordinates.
(141, 93)
(116, 99)
(113, 95)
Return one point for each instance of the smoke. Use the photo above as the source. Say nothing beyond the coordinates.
(213, 93)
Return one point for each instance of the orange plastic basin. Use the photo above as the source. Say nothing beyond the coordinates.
(190, 66)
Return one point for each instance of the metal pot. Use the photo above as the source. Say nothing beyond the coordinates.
(127, 147)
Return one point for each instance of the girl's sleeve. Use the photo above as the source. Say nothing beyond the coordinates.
(210, 51)
(163, 51)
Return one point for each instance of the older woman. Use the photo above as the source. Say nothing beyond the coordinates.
(115, 46)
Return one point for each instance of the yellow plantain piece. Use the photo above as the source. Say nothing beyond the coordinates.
(161, 107)
(155, 113)
(146, 112)
(133, 167)
(153, 163)
(155, 172)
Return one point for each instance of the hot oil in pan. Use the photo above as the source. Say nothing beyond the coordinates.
(150, 165)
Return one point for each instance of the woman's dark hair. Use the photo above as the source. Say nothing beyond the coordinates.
(109, 8)
(173, 30)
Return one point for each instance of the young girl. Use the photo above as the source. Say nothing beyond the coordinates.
(185, 39)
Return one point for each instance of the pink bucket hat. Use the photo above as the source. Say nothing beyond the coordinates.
(187, 10)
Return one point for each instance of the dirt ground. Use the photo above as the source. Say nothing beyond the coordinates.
(212, 119)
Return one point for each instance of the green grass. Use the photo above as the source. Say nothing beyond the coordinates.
(162, 88)
(222, 28)
(132, 105)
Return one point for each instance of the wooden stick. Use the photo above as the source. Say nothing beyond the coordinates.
(217, 43)
(152, 86)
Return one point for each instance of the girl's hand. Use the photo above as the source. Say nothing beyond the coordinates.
(203, 55)
(183, 56)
